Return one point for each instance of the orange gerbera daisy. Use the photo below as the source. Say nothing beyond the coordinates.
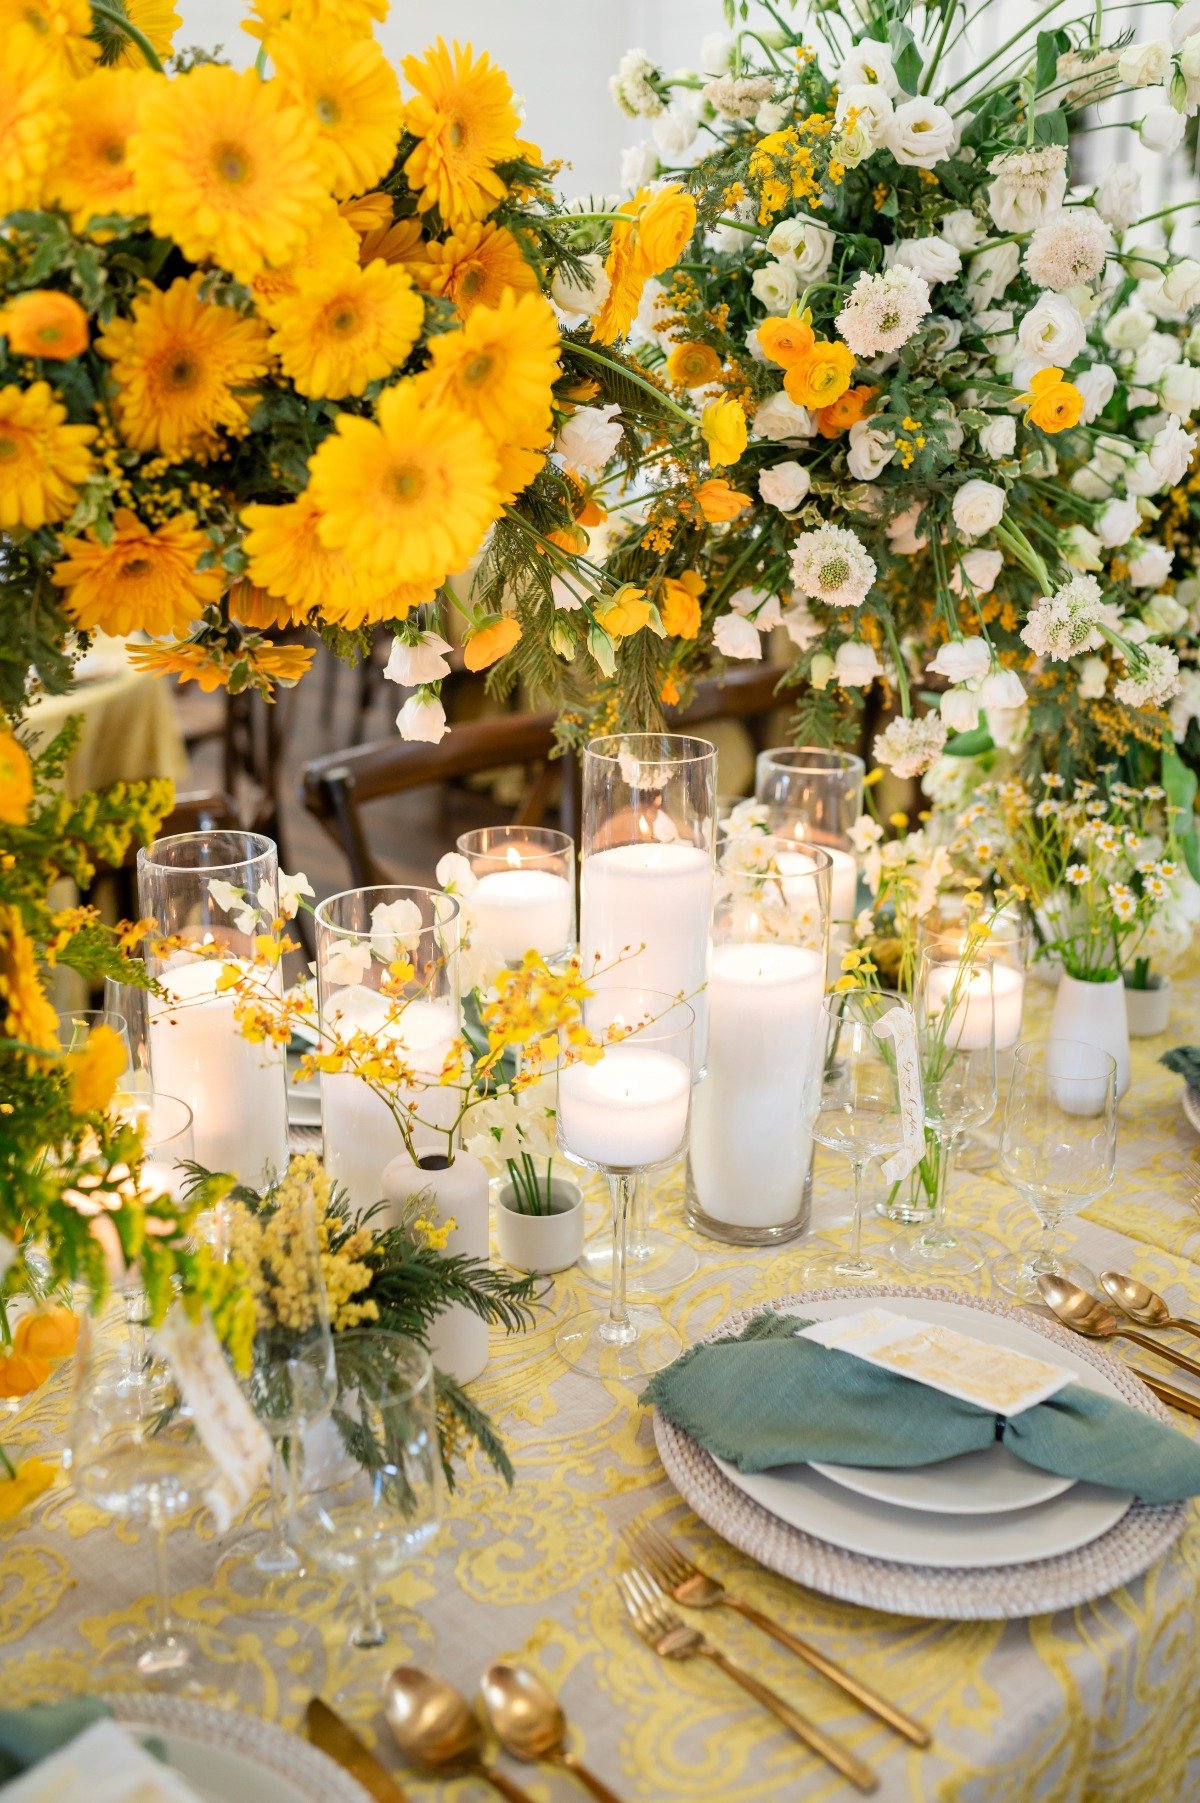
(476, 267)
(465, 120)
(145, 579)
(43, 322)
(251, 606)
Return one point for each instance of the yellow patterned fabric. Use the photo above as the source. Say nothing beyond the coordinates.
(1098, 1704)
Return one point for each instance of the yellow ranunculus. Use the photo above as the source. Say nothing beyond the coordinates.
(46, 1333)
(16, 781)
(692, 365)
(45, 323)
(1052, 404)
(724, 427)
(817, 379)
(667, 222)
(679, 605)
(494, 640)
(626, 613)
(94, 1070)
(27, 1482)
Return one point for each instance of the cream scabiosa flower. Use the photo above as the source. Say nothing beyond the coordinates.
(910, 747)
(1068, 250)
(883, 311)
(832, 565)
(1068, 622)
(1153, 682)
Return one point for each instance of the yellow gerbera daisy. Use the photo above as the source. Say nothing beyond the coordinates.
(43, 460)
(334, 339)
(331, 253)
(395, 604)
(144, 580)
(465, 119)
(16, 780)
(92, 176)
(411, 496)
(476, 267)
(500, 368)
(25, 1014)
(185, 370)
(399, 242)
(350, 92)
(157, 20)
(344, 18)
(228, 170)
(288, 559)
(368, 212)
(31, 116)
(251, 606)
(519, 464)
(64, 24)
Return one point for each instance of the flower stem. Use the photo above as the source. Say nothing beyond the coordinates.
(112, 17)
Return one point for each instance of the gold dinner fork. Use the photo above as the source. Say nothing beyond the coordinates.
(666, 1634)
(695, 1589)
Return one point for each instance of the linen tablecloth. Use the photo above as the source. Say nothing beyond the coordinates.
(1099, 1702)
(129, 729)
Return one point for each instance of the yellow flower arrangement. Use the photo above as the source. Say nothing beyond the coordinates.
(349, 92)
(476, 267)
(31, 116)
(63, 25)
(498, 369)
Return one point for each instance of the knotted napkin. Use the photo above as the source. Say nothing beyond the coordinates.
(766, 1398)
(27, 1736)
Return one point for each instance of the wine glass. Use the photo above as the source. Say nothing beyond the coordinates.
(382, 1500)
(855, 1106)
(167, 1147)
(621, 1113)
(1004, 942)
(1058, 1149)
(956, 1026)
(133, 1450)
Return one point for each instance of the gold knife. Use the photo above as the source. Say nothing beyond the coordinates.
(1174, 1399)
(335, 1738)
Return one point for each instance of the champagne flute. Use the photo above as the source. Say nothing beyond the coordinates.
(1058, 1149)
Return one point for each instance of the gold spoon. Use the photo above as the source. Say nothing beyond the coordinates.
(433, 1724)
(1142, 1304)
(528, 1722)
(1088, 1315)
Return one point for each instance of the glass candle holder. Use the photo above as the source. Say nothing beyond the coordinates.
(522, 897)
(815, 796)
(217, 891)
(363, 936)
(1006, 947)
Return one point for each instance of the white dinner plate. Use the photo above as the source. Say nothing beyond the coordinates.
(228, 1757)
(987, 1482)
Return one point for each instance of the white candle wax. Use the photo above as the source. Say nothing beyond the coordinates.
(514, 911)
(360, 1131)
(843, 881)
(237, 1092)
(968, 1028)
(750, 1149)
(626, 1112)
(658, 897)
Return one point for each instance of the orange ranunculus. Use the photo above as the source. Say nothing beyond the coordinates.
(626, 613)
(571, 539)
(692, 365)
(785, 340)
(679, 605)
(46, 1334)
(20, 1374)
(719, 500)
(666, 223)
(820, 377)
(845, 412)
(44, 323)
(1053, 404)
(494, 640)
(669, 693)
(589, 512)
(16, 781)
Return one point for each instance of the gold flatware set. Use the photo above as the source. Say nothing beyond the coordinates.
(1088, 1315)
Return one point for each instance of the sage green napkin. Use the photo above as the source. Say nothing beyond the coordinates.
(766, 1398)
(30, 1735)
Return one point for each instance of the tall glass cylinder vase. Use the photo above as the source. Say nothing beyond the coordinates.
(387, 972)
(815, 796)
(215, 891)
(749, 1163)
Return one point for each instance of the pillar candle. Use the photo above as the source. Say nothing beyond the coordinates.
(627, 1111)
(968, 1029)
(514, 911)
(657, 897)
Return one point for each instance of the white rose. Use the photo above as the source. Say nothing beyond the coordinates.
(717, 50)
(989, 273)
(1052, 332)
(1118, 198)
(959, 709)
(675, 130)
(1156, 355)
(422, 717)
(808, 247)
(933, 258)
(873, 106)
(977, 507)
(639, 164)
(920, 133)
(735, 636)
(961, 229)
(1097, 384)
(1181, 389)
(776, 286)
(999, 437)
(589, 438)
(1162, 129)
(1150, 565)
(1093, 678)
(869, 64)
(853, 144)
(412, 664)
(855, 666)
(902, 532)
(784, 485)
(1181, 284)
(1002, 689)
(962, 660)
(754, 347)
(1145, 65)
(1164, 614)
(976, 571)
(1171, 453)
(584, 296)
(780, 419)
(870, 451)
(1117, 522)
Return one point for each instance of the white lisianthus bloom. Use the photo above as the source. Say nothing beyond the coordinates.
(631, 87)
(771, 116)
(1156, 356)
(1052, 332)
(1164, 615)
(902, 532)
(1150, 565)
(989, 274)
(807, 246)
(581, 296)
(422, 717)
(1082, 549)
(639, 164)
(1171, 453)
(1186, 705)
(933, 259)
(910, 747)
(1097, 385)
(1152, 682)
(727, 237)
(1184, 21)
(942, 333)
(780, 419)
(869, 64)
(776, 286)
(883, 311)
(962, 660)
(736, 636)
(871, 105)
(757, 604)
(1002, 689)
(959, 709)
(1093, 678)
(852, 142)
(1180, 389)
(800, 626)
(1181, 284)
(717, 51)
(1161, 131)
(754, 346)
(999, 437)
(1029, 186)
(962, 229)
(976, 571)
(1068, 622)
(1117, 522)
(977, 507)
(414, 662)
(1189, 68)
(784, 485)
(455, 874)
(675, 130)
(1069, 249)
(588, 439)
(870, 452)
(1008, 727)
(1118, 198)
(855, 666)
(920, 133)
(1145, 65)
(831, 565)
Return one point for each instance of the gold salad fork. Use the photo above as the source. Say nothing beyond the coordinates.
(668, 1635)
(695, 1589)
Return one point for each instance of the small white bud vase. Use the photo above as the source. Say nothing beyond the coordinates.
(452, 1191)
(1094, 1014)
(540, 1242)
(1149, 1009)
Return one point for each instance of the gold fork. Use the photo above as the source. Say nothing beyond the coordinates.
(671, 1638)
(695, 1589)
